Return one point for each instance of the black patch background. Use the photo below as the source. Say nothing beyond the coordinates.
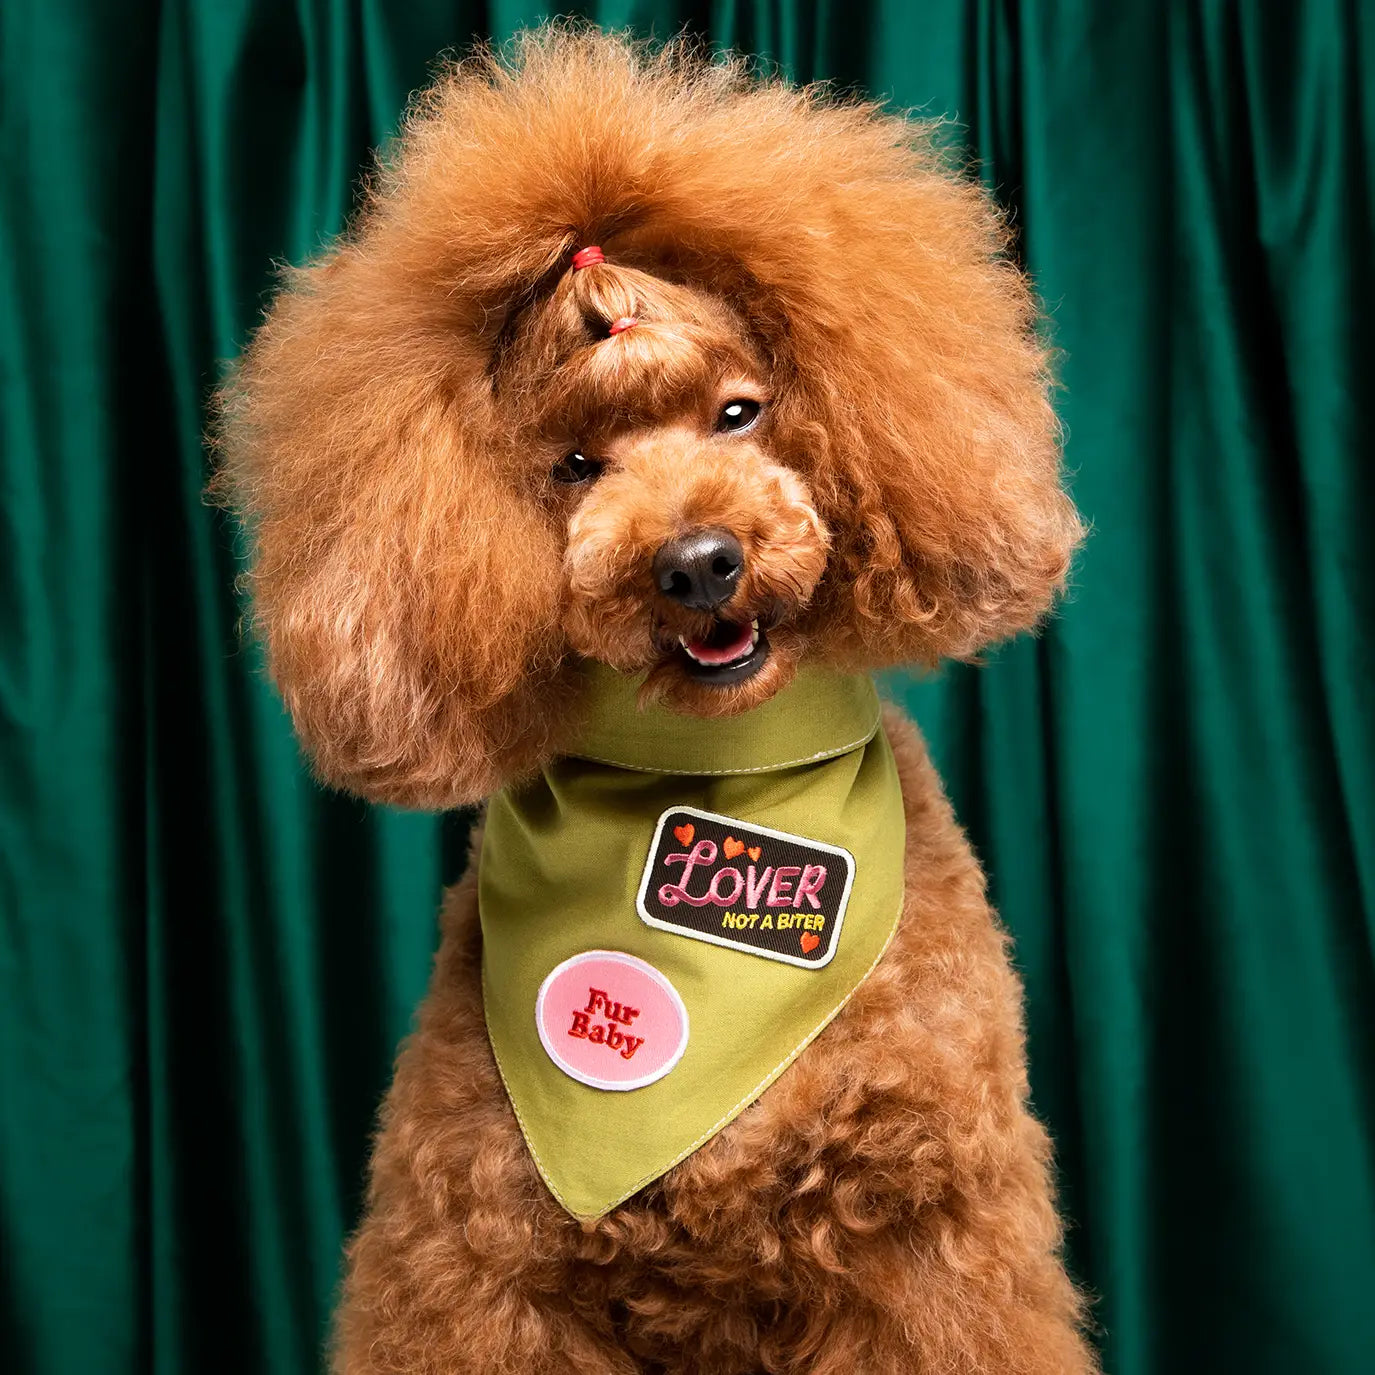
(707, 920)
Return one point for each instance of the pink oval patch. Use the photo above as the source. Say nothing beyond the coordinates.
(610, 1020)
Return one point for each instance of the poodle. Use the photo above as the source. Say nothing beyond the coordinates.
(646, 396)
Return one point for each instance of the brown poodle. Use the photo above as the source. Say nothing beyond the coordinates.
(462, 445)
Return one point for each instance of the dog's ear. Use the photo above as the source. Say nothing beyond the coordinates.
(920, 392)
(403, 583)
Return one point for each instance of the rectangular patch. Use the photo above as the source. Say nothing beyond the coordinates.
(718, 879)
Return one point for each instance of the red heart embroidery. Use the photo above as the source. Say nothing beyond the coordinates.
(754, 852)
(809, 942)
(733, 847)
(685, 833)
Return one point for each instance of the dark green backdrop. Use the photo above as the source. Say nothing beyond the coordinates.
(205, 962)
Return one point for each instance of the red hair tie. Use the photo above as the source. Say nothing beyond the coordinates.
(585, 257)
(624, 323)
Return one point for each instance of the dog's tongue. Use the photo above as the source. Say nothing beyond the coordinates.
(725, 643)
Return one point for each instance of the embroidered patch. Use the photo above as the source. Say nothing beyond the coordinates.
(749, 888)
(610, 1020)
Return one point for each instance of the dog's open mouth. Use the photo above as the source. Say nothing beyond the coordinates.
(731, 652)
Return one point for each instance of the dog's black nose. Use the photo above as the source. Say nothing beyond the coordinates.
(699, 569)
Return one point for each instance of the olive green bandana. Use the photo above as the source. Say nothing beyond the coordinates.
(672, 913)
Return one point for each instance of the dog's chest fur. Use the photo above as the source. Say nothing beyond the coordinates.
(834, 1185)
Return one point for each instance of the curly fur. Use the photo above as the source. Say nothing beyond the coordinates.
(427, 595)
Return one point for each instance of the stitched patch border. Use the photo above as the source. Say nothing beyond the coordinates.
(747, 830)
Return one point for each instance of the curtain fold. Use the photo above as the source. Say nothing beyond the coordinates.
(206, 960)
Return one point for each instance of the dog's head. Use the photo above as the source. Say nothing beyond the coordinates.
(691, 547)
(791, 408)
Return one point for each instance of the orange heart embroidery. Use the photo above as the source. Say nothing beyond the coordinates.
(754, 852)
(809, 942)
(685, 833)
(733, 847)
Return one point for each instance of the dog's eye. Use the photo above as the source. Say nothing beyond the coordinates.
(575, 467)
(737, 415)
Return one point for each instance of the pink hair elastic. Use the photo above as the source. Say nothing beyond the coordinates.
(585, 257)
(624, 323)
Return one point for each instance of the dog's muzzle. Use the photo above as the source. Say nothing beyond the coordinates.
(701, 571)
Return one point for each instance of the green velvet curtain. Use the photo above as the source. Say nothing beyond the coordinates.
(206, 961)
